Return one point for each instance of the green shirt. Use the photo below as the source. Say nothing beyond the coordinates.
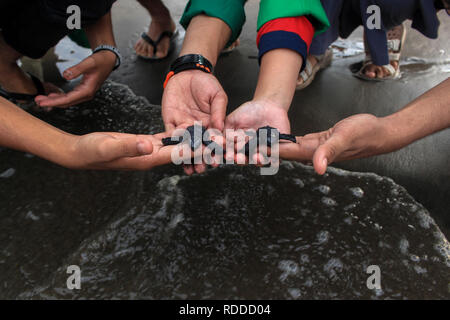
(232, 13)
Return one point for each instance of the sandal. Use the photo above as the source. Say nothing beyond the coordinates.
(24, 99)
(307, 75)
(154, 43)
(396, 38)
(231, 48)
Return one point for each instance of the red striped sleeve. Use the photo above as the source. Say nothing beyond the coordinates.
(293, 33)
(299, 25)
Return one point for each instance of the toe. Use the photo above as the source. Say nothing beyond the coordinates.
(163, 49)
(370, 71)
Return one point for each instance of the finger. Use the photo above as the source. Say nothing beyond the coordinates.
(188, 169)
(65, 100)
(218, 111)
(241, 159)
(169, 126)
(128, 163)
(303, 150)
(200, 168)
(327, 153)
(229, 123)
(79, 69)
(113, 148)
(40, 98)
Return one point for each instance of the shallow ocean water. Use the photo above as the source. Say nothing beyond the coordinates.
(229, 233)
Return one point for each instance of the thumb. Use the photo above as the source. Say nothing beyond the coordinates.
(218, 111)
(117, 148)
(169, 126)
(328, 153)
(78, 69)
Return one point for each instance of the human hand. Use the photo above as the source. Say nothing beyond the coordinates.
(95, 69)
(191, 96)
(251, 116)
(358, 136)
(117, 151)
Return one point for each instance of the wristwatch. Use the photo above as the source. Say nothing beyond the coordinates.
(113, 50)
(189, 62)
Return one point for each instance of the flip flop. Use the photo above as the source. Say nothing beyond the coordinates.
(169, 34)
(395, 45)
(15, 97)
(308, 75)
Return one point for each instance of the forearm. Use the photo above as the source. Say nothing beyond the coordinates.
(278, 77)
(101, 32)
(424, 116)
(206, 36)
(21, 131)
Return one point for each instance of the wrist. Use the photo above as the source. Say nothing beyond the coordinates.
(394, 133)
(278, 77)
(206, 36)
(389, 136)
(109, 54)
(267, 103)
(67, 151)
(187, 63)
(60, 149)
(272, 100)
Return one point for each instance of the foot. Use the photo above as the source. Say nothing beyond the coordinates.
(233, 46)
(157, 26)
(395, 37)
(374, 71)
(313, 60)
(14, 79)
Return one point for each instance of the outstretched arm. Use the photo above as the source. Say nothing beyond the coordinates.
(365, 135)
(101, 150)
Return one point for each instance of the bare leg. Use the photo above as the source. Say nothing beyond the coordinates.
(161, 21)
(12, 77)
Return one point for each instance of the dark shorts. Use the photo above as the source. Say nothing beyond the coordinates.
(32, 27)
(346, 15)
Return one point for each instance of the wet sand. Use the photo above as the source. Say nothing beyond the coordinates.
(335, 94)
(160, 234)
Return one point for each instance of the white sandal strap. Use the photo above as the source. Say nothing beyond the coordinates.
(308, 67)
(307, 72)
(304, 76)
(390, 68)
(394, 56)
(394, 44)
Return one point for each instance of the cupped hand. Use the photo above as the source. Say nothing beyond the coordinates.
(191, 96)
(253, 115)
(95, 69)
(358, 136)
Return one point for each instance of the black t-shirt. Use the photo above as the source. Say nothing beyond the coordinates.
(91, 10)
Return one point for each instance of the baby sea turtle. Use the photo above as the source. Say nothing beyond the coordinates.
(195, 136)
(272, 134)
